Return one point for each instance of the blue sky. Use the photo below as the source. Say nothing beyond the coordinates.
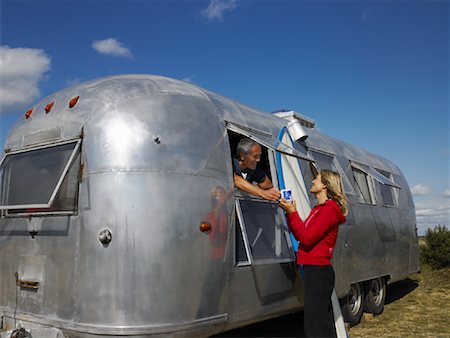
(371, 73)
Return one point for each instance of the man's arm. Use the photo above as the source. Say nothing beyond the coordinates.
(266, 184)
(270, 193)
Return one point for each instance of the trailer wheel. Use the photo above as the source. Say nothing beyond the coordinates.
(375, 296)
(352, 304)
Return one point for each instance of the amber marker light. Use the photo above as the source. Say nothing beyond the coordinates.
(74, 101)
(28, 114)
(205, 227)
(49, 107)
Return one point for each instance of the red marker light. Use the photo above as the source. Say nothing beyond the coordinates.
(74, 101)
(205, 227)
(28, 114)
(49, 107)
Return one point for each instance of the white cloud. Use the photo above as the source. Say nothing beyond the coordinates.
(112, 47)
(420, 190)
(447, 193)
(216, 9)
(21, 70)
(430, 216)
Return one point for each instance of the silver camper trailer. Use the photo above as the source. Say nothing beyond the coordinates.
(119, 216)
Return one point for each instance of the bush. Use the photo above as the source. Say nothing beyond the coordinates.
(436, 251)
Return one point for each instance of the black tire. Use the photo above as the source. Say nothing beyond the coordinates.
(352, 305)
(375, 296)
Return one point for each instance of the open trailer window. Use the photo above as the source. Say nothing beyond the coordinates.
(388, 189)
(40, 180)
(309, 171)
(264, 233)
(329, 162)
(363, 186)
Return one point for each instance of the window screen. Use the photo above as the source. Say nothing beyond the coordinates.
(40, 179)
(266, 234)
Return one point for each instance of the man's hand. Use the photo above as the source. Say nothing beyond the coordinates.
(271, 194)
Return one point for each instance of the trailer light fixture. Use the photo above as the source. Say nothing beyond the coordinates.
(205, 227)
(28, 114)
(49, 107)
(74, 101)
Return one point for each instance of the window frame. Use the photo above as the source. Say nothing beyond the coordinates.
(337, 167)
(370, 184)
(251, 261)
(271, 146)
(74, 153)
(394, 190)
(265, 139)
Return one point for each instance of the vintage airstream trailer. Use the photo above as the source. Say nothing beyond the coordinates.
(119, 216)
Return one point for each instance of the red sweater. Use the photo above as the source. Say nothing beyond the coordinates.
(317, 235)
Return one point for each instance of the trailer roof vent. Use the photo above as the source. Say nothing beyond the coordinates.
(291, 115)
(297, 123)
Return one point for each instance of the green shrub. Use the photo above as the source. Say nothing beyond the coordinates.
(436, 251)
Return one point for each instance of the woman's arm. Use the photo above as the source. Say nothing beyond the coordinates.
(319, 224)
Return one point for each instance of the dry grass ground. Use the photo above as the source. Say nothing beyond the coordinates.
(416, 307)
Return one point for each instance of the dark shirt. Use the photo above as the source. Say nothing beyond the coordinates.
(258, 175)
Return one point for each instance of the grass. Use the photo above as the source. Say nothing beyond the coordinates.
(416, 307)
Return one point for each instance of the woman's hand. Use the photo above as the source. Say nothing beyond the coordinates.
(289, 207)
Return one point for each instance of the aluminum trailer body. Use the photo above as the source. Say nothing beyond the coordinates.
(109, 227)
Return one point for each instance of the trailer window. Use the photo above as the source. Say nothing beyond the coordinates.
(363, 186)
(309, 172)
(264, 233)
(41, 180)
(388, 193)
(329, 162)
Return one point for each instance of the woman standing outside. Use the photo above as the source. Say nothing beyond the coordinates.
(317, 238)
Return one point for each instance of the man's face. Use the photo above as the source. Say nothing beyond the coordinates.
(252, 159)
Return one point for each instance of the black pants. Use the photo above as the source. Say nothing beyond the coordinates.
(318, 311)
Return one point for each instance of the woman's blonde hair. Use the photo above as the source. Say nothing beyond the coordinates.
(335, 189)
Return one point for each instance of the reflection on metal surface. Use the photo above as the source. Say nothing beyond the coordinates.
(122, 138)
